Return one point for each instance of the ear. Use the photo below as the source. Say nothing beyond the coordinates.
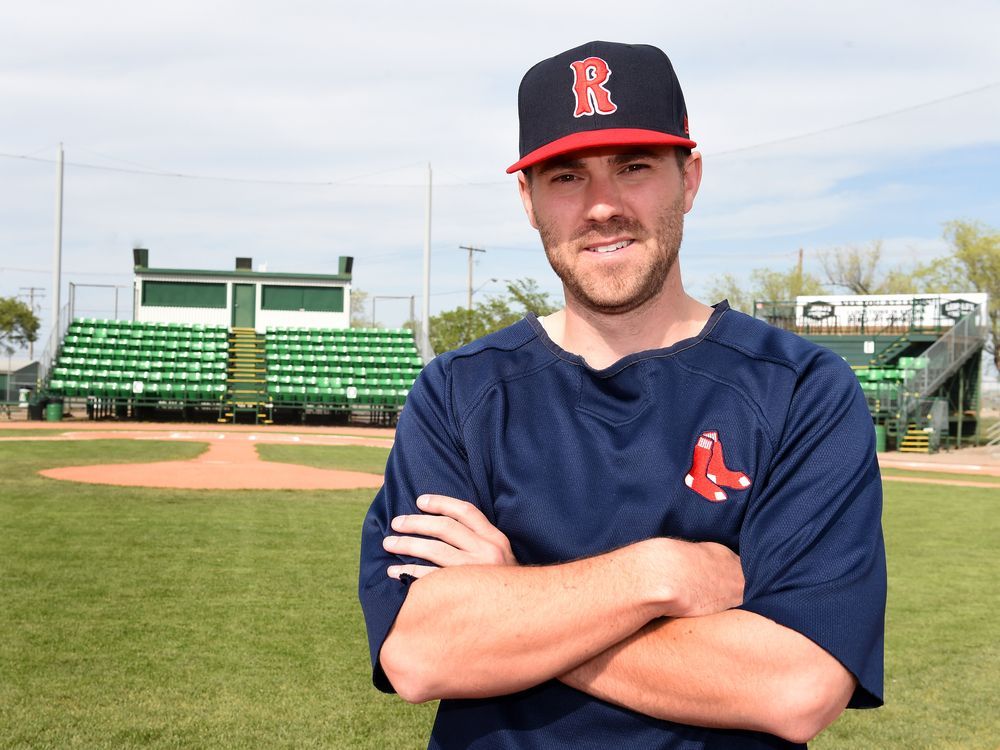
(525, 190)
(691, 178)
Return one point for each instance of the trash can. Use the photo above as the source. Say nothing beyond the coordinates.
(54, 411)
(36, 409)
(880, 438)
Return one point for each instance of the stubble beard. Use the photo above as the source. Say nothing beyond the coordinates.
(617, 290)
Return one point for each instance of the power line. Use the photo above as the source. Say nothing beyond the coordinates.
(49, 270)
(152, 172)
(854, 123)
(213, 178)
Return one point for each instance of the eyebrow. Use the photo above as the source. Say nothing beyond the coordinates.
(638, 153)
(567, 162)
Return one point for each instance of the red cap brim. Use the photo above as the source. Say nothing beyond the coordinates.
(596, 138)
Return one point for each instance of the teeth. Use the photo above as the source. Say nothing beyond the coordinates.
(612, 248)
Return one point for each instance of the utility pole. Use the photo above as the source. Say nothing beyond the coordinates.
(30, 290)
(471, 251)
(425, 312)
(57, 248)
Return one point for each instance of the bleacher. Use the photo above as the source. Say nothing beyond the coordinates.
(917, 357)
(340, 369)
(142, 362)
(883, 386)
(133, 369)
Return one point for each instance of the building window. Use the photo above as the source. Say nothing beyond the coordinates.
(306, 298)
(183, 294)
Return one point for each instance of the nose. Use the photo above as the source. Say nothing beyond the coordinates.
(603, 199)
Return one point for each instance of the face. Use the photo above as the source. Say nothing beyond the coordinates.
(611, 221)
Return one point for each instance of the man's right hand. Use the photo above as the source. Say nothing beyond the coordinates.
(449, 532)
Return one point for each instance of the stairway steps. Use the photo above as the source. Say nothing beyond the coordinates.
(247, 387)
(915, 440)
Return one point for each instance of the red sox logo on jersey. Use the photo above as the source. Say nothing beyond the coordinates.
(589, 77)
(708, 473)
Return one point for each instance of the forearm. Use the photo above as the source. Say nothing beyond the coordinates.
(734, 669)
(475, 631)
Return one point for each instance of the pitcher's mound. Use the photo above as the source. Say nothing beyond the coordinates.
(226, 465)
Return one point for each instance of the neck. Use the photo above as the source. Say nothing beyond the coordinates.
(602, 339)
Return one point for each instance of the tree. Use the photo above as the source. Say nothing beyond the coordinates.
(525, 293)
(18, 324)
(765, 285)
(973, 264)
(853, 268)
(858, 269)
(359, 309)
(454, 328)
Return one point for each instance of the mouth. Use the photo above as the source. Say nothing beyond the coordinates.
(611, 247)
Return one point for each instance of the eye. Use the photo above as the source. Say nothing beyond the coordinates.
(635, 167)
(563, 178)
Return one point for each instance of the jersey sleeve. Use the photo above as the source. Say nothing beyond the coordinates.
(426, 457)
(811, 544)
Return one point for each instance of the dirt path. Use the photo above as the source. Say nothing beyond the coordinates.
(230, 463)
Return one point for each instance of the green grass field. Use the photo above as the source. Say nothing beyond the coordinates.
(347, 457)
(28, 432)
(193, 619)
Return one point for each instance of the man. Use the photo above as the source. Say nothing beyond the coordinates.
(554, 551)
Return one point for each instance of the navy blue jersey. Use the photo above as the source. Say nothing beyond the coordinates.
(744, 435)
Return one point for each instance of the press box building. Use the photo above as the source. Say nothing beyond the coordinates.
(242, 297)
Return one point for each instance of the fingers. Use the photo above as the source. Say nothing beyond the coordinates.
(449, 532)
(415, 571)
(431, 550)
(439, 527)
(465, 513)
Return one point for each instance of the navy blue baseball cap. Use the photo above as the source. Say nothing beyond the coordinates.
(600, 94)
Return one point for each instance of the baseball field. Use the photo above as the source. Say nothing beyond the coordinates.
(194, 618)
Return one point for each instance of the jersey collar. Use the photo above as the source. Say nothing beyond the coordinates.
(718, 310)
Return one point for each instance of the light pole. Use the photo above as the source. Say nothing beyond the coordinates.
(472, 292)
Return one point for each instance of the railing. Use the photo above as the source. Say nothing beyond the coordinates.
(875, 317)
(52, 346)
(993, 434)
(945, 354)
(943, 358)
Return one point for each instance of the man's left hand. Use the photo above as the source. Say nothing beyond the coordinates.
(449, 532)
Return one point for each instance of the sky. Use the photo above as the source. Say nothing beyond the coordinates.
(297, 132)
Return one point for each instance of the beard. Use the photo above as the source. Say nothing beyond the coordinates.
(622, 289)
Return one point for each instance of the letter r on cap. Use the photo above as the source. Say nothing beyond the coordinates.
(589, 77)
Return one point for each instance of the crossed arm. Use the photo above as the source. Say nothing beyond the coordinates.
(649, 626)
